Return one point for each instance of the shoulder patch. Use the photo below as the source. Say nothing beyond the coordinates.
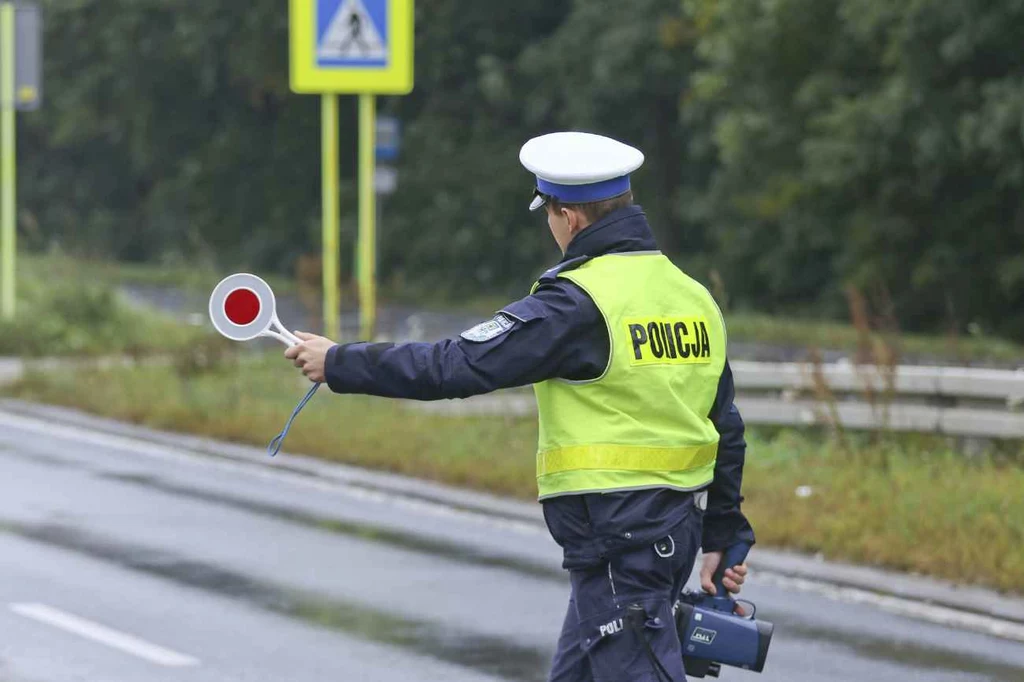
(485, 331)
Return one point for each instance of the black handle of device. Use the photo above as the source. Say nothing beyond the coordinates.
(733, 556)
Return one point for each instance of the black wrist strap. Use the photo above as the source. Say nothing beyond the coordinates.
(636, 617)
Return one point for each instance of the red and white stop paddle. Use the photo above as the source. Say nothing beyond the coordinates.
(242, 308)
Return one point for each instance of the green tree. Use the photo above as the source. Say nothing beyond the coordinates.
(872, 143)
(624, 69)
(796, 146)
(169, 131)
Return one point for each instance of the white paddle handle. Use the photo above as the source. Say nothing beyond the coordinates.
(288, 341)
(282, 335)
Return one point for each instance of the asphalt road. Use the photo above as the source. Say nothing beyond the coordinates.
(122, 560)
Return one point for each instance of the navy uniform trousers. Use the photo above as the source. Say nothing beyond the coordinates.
(597, 643)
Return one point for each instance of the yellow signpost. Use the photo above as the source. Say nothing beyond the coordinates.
(20, 90)
(7, 161)
(362, 47)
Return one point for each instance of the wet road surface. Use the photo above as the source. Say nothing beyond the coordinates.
(122, 560)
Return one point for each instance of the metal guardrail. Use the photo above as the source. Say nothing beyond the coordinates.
(956, 401)
(11, 369)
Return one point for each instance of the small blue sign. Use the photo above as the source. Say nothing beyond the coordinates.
(352, 33)
(388, 138)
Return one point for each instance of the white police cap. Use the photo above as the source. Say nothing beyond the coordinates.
(579, 168)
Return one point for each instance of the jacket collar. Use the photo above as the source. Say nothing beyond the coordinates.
(623, 230)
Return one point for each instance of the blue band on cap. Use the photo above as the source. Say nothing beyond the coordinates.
(584, 194)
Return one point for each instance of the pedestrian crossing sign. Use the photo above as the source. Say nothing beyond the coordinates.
(351, 46)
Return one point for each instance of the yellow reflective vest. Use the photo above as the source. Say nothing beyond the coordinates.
(644, 422)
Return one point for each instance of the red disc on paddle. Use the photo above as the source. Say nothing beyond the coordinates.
(242, 306)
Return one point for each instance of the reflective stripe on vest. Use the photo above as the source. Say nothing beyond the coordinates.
(644, 423)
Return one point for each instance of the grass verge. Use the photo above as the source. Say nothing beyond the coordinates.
(190, 277)
(65, 309)
(823, 334)
(906, 503)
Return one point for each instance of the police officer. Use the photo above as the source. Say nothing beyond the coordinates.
(641, 448)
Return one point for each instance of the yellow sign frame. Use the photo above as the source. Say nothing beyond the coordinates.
(308, 78)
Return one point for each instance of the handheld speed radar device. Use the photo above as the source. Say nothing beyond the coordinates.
(712, 634)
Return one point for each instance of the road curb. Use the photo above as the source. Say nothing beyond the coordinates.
(887, 583)
(913, 587)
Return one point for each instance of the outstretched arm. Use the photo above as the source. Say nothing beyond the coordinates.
(533, 339)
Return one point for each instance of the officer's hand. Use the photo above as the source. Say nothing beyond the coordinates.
(733, 579)
(311, 355)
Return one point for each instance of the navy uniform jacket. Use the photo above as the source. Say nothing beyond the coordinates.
(557, 331)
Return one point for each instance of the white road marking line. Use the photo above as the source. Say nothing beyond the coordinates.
(104, 635)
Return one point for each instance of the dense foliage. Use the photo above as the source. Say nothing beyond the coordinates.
(795, 147)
